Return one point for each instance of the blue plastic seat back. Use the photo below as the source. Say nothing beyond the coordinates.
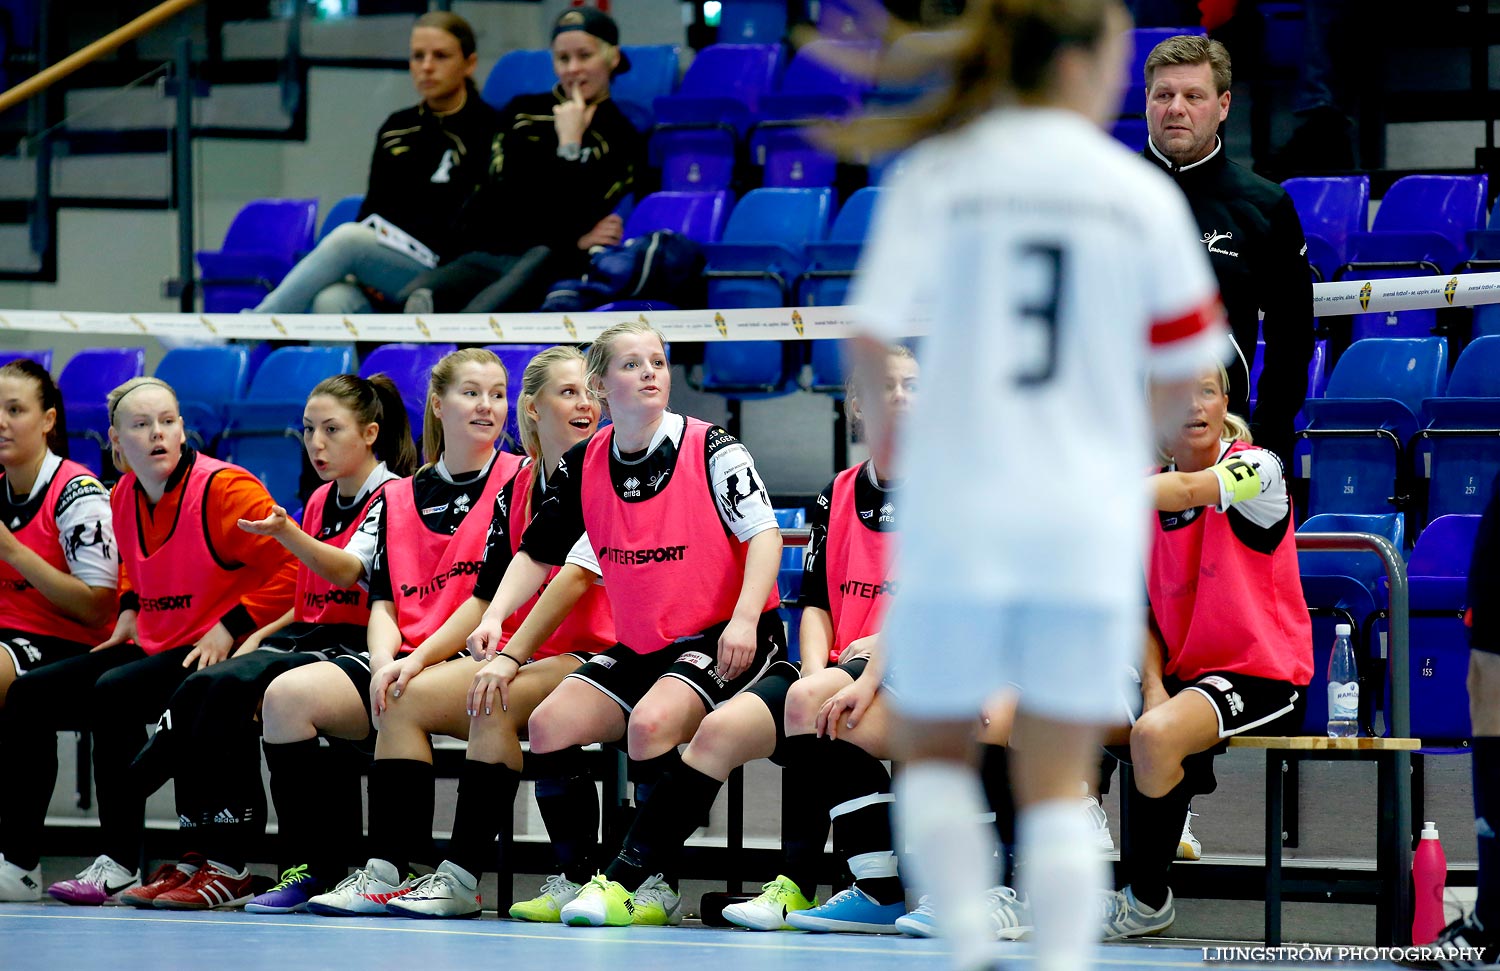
(694, 159)
(206, 380)
(789, 578)
(514, 357)
(1143, 39)
(852, 224)
(840, 252)
(1461, 470)
(85, 381)
(1406, 369)
(1445, 548)
(1332, 207)
(1487, 320)
(1476, 373)
(654, 70)
(750, 369)
(1364, 568)
(697, 215)
(346, 210)
(519, 72)
(752, 22)
(735, 72)
(767, 231)
(827, 360)
(792, 161)
(410, 367)
(281, 227)
(1450, 205)
(840, 68)
(41, 355)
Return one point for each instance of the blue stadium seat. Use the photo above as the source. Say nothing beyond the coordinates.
(1437, 582)
(263, 243)
(763, 250)
(206, 380)
(263, 432)
(699, 216)
(41, 355)
(1459, 447)
(518, 72)
(1317, 376)
(1331, 208)
(789, 580)
(831, 263)
(710, 112)
(514, 357)
(653, 73)
(346, 210)
(85, 381)
(827, 79)
(1357, 433)
(752, 22)
(852, 19)
(1422, 226)
(410, 366)
(1142, 40)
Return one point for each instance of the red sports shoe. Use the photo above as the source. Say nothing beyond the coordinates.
(168, 876)
(214, 885)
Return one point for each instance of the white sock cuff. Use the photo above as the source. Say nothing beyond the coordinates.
(854, 805)
(869, 866)
(1055, 823)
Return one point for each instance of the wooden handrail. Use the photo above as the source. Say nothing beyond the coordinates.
(44, 79)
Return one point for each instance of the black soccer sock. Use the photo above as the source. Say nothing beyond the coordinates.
(294, 769)
(570, 811)
(862, 836)
(401, 810)
(994, 773)
(648, 773)
(1486, 770)
(804, 819)
(681, 801)
(486, 801)
(1155, 831)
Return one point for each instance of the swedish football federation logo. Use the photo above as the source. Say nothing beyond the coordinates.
(280, 329)
(797, 322)
(572, 330)
(1450, 289)
(1364, 296)
(720, 323)
(349, 326)
(495, 326)
(423, 328)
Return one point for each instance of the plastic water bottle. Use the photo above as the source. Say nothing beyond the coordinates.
(1429, 873)
(1343, 687)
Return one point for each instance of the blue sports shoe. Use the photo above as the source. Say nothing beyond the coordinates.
(850, 911)
(289, 896)
(921, 922)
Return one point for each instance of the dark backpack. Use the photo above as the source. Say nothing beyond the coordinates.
(661, 266)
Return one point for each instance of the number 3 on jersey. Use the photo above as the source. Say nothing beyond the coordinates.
(1042, 308)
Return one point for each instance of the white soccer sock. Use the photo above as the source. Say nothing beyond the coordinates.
(1064, 874)
(938, 809)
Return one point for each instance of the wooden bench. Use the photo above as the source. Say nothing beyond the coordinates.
(1393, 828)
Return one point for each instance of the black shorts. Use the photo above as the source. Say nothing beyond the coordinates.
(772, 689)
(1244, 702)
(327, 640)
(357, 668)
(31, 651)
(626, 676)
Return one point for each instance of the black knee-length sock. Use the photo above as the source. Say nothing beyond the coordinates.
(1155, 830)
(401, 810)
(486, 802)
(680, 802)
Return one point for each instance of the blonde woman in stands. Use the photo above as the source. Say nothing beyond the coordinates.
(193, 587)
(1053, 271)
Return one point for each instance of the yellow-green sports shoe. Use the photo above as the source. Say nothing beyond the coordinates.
(600, 903)
(546, 907)
(656, 903)
(768, 911)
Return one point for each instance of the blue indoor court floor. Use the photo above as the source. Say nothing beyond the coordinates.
(42, 937)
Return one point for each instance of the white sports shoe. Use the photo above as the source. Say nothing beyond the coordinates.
(18, 885)
(1188, 848)
(365, 891)
(1125, 917)
(448, 891)
(768, 911)
(1009, 913)
(1100, 822)
(101, 882)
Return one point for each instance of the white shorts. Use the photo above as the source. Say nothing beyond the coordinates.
(1070, 661)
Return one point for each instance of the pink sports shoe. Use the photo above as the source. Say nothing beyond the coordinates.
(101, 883)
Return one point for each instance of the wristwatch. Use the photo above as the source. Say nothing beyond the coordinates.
(571, 151)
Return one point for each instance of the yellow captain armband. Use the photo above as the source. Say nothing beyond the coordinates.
(1240, 480)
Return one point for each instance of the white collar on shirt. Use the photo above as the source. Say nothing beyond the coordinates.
(671, 427)
(441, 468)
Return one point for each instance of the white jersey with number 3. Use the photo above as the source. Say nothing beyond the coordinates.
(1053, 272)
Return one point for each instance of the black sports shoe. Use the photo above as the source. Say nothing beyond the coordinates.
(1470, 945)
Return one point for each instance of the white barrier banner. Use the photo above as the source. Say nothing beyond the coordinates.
(692, 326)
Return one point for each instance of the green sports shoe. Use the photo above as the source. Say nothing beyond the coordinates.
(657, 904)
(768, 911)
(600, 903)
(546, 907)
